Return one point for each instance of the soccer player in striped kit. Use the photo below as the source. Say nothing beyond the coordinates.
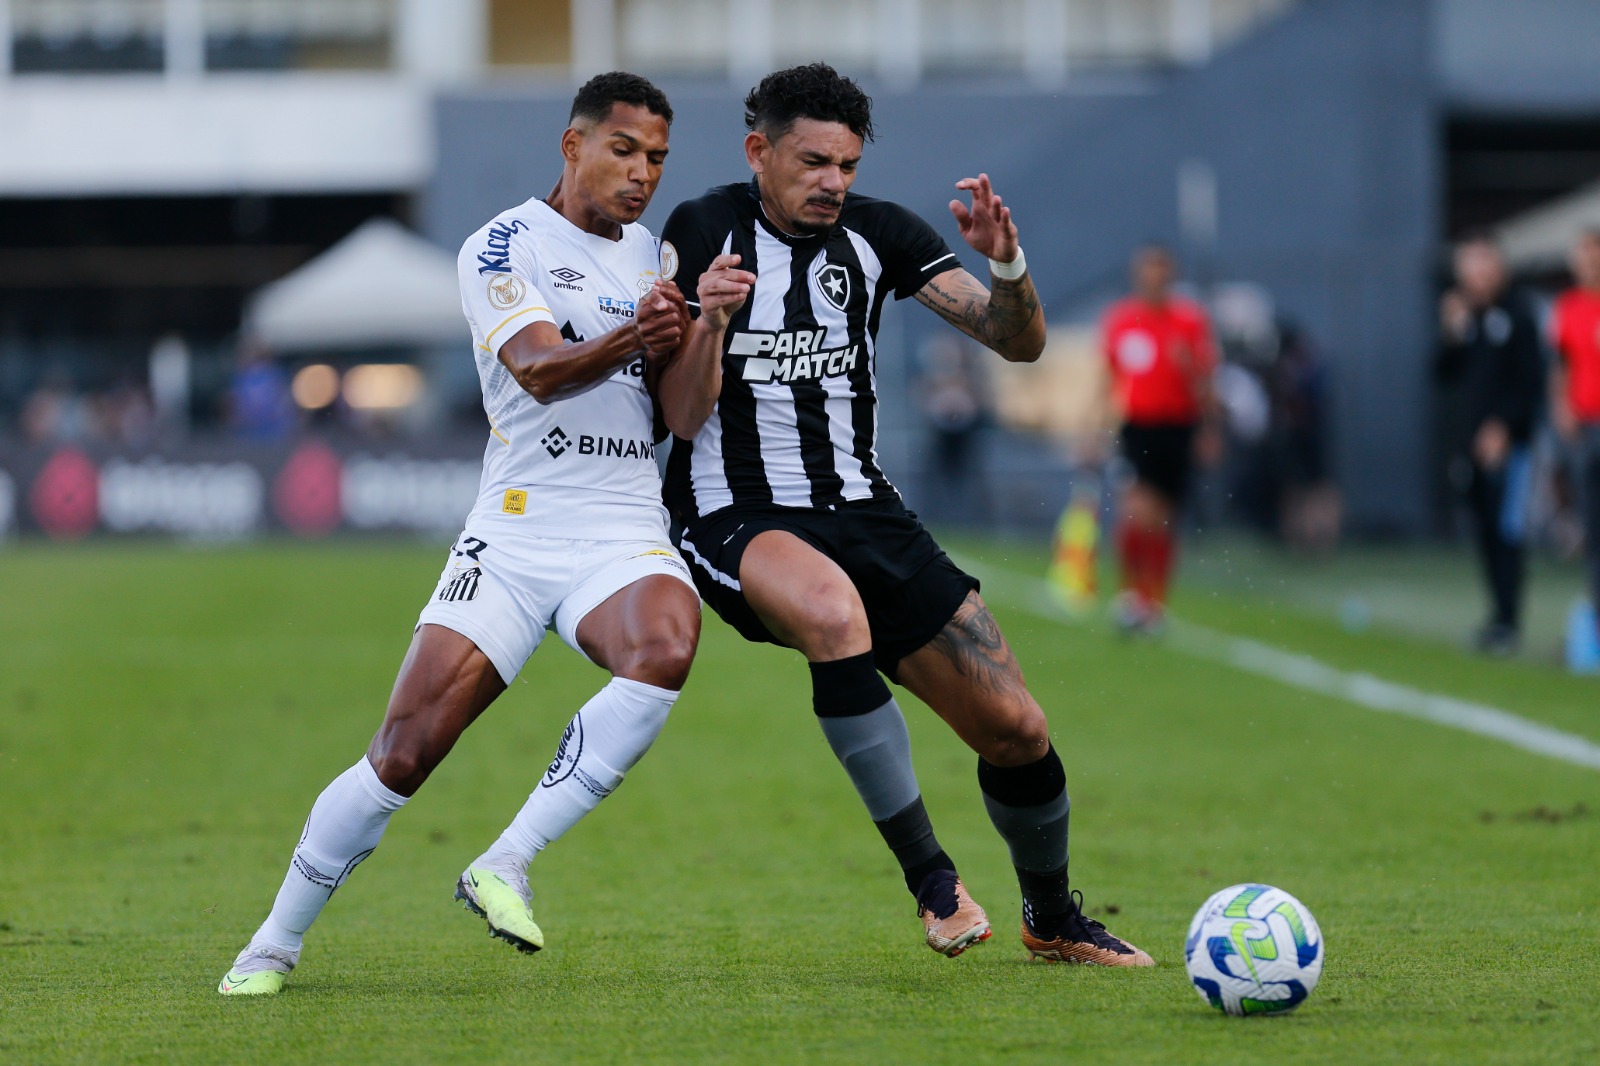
(795, 536)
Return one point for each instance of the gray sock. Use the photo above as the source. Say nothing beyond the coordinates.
(875, 750)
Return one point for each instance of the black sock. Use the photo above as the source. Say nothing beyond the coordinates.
(909, 835)
(844, 688)
(1029, 807)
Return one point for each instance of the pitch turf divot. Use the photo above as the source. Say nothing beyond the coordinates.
(1313, 675)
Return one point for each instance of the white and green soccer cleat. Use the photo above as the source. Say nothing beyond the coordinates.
(502, 899)
(258, 971)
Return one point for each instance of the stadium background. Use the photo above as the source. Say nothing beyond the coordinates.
(203, 594)
(166, 161)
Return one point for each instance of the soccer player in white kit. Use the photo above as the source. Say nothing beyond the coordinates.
(582, 345)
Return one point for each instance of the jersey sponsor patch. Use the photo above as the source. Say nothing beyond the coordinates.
(516, 502)
(555, 442)
(506, 291)
(496, 254)
(791, 355)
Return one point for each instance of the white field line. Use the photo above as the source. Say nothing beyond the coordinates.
(1313, 675)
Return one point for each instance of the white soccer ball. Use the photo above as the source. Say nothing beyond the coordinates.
(1253, 949)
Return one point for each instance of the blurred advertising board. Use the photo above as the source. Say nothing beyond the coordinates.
(223, 490)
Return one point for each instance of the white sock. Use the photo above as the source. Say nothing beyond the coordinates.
(602, 742)
(343, 828)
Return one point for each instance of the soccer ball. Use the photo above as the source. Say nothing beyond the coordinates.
(1253, 949)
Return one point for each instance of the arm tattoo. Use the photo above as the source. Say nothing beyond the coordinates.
(993, 318)
(972, 642)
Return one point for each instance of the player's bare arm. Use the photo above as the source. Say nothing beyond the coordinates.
(692, 379)
(550, 369)
(1005, 317)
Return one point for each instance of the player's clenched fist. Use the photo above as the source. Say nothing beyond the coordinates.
(661, 320)
(723, 289)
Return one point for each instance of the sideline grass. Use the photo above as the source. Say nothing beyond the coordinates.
(167, 716)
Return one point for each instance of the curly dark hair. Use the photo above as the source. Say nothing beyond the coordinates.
(814, 91)
(594, 100)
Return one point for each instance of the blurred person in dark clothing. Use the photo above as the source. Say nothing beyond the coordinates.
(950, 394)
(1492, 365)
(1308, 503)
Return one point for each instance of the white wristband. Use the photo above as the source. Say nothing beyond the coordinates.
(1009, 271)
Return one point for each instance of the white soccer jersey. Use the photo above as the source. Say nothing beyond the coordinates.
(582, 467)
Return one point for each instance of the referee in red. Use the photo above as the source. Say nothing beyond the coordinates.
(1575, 389)
(1162, 358)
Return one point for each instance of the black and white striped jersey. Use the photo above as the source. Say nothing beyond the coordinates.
(796, 424)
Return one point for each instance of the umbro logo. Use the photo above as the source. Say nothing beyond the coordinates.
(556, 442)
(567, 278)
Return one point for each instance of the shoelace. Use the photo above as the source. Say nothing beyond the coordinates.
(1096, 930)
(1074, 925)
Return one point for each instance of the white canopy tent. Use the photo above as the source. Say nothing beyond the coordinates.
(382, 286)
(1540, 239)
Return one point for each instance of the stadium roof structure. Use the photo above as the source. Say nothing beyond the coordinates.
(381, 286)
(1540, 239)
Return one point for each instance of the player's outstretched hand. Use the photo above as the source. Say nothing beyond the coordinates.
(661, 320)
(987, 224)
(723, 289)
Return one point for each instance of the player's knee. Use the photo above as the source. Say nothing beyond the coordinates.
(661, 659)
(1017, 740)
(401, 768)
(833, 627)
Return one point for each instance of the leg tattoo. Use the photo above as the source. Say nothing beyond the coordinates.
(972, 642)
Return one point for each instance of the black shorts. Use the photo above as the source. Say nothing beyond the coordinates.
(909, 586)
(1162, 456)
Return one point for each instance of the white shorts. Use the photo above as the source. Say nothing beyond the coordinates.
(503, 595)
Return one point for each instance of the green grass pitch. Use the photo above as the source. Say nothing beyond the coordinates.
(167, 717)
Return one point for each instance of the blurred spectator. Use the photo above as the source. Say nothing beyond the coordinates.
(56, 412)
(1308, 504)
(1162, 359)
(1491, 362)
(950, 393)
(259, 405)
(125, 415)
(1575, 390)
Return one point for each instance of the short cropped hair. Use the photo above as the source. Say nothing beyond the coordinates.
(814, 91)
(594, 100)
(1477, 235)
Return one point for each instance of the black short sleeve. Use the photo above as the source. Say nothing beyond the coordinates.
(911, 251)
(697, 230)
